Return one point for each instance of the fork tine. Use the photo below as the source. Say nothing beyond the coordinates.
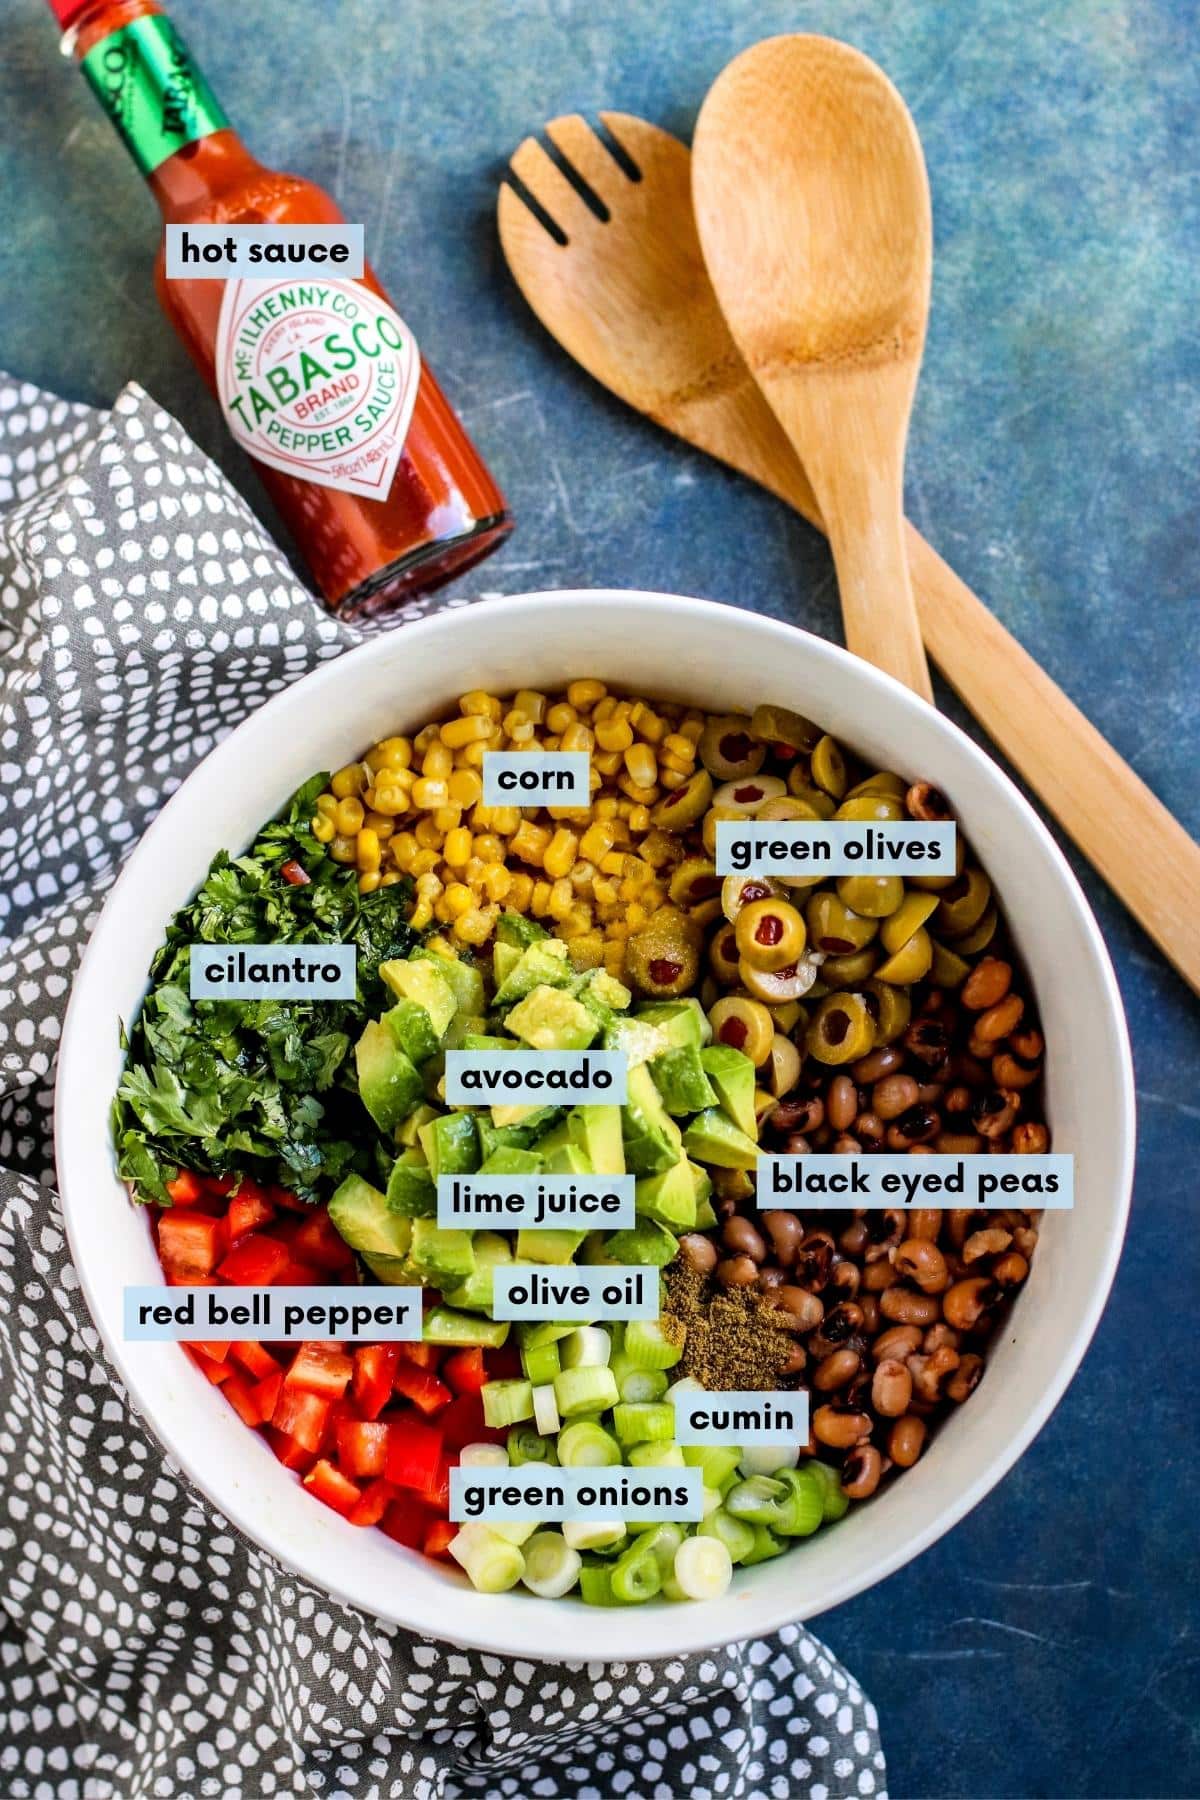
(589, 156)
(538, 171)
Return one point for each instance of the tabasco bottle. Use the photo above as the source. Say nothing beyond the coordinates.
(393, 497)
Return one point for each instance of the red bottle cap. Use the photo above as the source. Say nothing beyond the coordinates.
(67, 11)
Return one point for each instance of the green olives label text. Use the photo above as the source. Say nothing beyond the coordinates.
(834, 847)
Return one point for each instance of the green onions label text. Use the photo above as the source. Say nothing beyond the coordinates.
(575, 1495)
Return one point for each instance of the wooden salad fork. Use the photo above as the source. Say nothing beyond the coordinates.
(620, 280)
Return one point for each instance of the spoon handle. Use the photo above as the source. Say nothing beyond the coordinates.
(879, 613)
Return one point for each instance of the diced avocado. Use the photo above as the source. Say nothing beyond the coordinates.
(412, 1191)
(516, 928)
(706, 1218)
(444, 1326)
(652, 1153)
(546, 964)
(732, 1074)
(464, 979)
(442, 1256)
(536, 1245)
(638, 1040)
(670, 1198)
(712, 1137)
(387, 1081)
(483, 1040)
(393, 1271)
(461, 1027)
(651, 1136)
(683, 1021)
(420, 979)
(476, 1292)
(505, 958)
(645, 1242)
(565, 1159)
(363, 1217)
(509, 1159)
(548, 1019)
(451, 1144)
(420, 1115)
(533, 1118)
(520, 1137)
(412, 1029)
(597, 1131)
(608, 990)
(595, 1249)
(680, 1079)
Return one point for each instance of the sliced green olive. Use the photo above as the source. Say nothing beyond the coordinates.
(890, 1007)
(723, 956)
(764, 1105)
(833, 927)
(871, 807)
(802, 789)
(774, 986)
(787, 806)
(936, 884)
(783, 1065)
(779, 725)
(770, 934)
(851, 970)
(829, 767)
(748, 793)
(948, 969)
(972, 942)
(745, 1025)
(663, 958)
(694, 881)
(685, 804)
(728, 750)
(911, 962)
(908, 917)
(842, 1029)
(787, 1016)
(874, 896)
(712, 819)
(882, 782)
(741, 890)
(963, 905)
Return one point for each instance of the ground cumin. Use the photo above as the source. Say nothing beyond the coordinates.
(731, 1339)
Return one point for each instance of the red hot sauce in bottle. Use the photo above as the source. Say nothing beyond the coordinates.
(320, 381)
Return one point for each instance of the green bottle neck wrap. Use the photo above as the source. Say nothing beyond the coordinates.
(146, 81)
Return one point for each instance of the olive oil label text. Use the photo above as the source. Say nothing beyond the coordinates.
(585, 1293)
(834, 847)
(260, 252)
(317, 379)
(751, 1419)
(573, 1496)
(281, 1315)
(272, 971)
(833, 1183)
(536, 778)
(540, 1202)
(536, 1078)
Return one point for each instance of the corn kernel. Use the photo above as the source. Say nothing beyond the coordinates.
(676, 745)
(323, 829)
(606, 763)
(389, 878)
(529, 842)
(647, 723)
(560, 853)
(446, 818)
(342, 849)
(561, 899)
(347, 781)
(425, 739)
(596, 842)
(327, 805)
(641, 764)
(614, 734)
(392, 753)
(349, 816)
(369, 854)
(532, 704)
(520, 891)
(437, 762)
(504, 819)
(459, 899)
(458, 733)
(476, 927)
(389, 799)
(496, 881)
(585, 693)
(613, 863)
(424, 862)
(692, 727)
(636, 917)
(487, 847)
(605, 891)
(428, 835)
(457, 848)
(404, 848)
(475, 870)
(560, 716)
(428, 795)
(368, 881)
(606, 807)
(639, 819)
(539, 901)
(576, 737)
(477, 703)
(523, 733)
(466, 787)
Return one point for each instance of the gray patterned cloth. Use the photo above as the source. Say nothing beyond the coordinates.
(146, 1648)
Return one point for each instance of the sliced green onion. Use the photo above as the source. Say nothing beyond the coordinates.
(638, 1384)
(514, 1531)
(493, 1564)
(703, 1568)
(768, 1459)
(506, 1403)
(541, 1363)
(545, 1410)
(586, 1445)
(687, 1384)
(664, 1540)
(483, 1456)
(836, 1504)
(805, 1509)
(718, 1461)
(587, 1348)
(583, 1390)
(595, 1586)
(735, 1534)
(710, 1499)
(644, 1422)
(527, 1445)
(762, 1500)
(647, 1345)
(636, 1574)
(766, 1546)
(663, 1455)
(593, 1534)
(530, 1335)
(551, 1566)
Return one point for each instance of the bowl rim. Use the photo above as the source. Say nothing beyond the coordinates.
(486, 1631)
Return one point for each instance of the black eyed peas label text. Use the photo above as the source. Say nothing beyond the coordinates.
(833, 1183)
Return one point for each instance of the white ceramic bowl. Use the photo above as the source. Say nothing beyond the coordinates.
(671, 649)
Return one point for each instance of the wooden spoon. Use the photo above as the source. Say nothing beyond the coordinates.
(813, 209)
(622, 285)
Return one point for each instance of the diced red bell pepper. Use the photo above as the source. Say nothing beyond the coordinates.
(320, 1368)
(504, 1364)
(190, 1243)
(248, 1209)
(423, 1356)
(414, 1450)
(377, 1496)
(294, 1274)
(295, 873)
(266, 1394)
(438, 1536)
(362, 1447)
(437, 1492)
(406, 1520)
(185, 1190)
(256, 1261)
(243, 1399)
(290, 1451)
(465, 1370)
(426, 1392)
(331, 1486)
(301, 1415)
(256, 1360)
(462, 1423)
(315, 1239)
(284, 1197)
(217, 1372)
(221, 1185)
(191, 1281)
(374, 1369)
(216, 1349)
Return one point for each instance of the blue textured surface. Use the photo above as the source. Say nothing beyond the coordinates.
(1048, 1645)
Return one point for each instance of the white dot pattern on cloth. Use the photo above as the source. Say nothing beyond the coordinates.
(146, 1648)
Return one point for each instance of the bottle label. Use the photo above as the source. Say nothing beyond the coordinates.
(152, 91)
(318, 379)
